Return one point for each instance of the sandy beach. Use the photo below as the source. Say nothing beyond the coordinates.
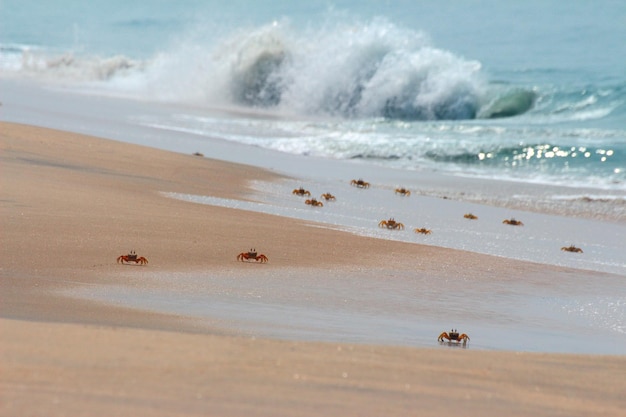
(71, 204)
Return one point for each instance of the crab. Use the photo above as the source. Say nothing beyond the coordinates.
(252, 255)
(403, 191)
(470, 216)
(301, 192)
(328, 197)
(360, 183)
(391, 224)
(454, 336)
(571, 248)
(423, 231)
(132, 257)
(512, 222)
(313, 202)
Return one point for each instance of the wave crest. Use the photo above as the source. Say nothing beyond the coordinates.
(377, 70)
(38, 62)
(509, 103)
(255, 78)
(361, 70)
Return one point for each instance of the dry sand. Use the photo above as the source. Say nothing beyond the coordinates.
(71, 204)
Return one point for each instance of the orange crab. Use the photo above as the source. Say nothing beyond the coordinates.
(572, 248)
(252, 255)
(301, 192)
(132, 257)
(391, 224)
(328, 197)
(512, 222)
(313, 202)
(423, 231)
(470, 216)
(403, 191)
(360, 183)
(453, 336)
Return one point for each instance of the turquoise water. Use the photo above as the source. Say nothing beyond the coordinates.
(533, 91)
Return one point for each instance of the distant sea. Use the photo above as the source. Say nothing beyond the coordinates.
(533, 91)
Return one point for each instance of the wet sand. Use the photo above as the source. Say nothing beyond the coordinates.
(71, 204)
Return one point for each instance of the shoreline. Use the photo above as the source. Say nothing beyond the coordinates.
(132, 121)
(72, 204)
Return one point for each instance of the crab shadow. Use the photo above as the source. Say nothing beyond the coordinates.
(454, 344)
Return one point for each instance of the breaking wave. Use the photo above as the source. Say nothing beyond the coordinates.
(377, 70)
(31, 61)
(349, 71)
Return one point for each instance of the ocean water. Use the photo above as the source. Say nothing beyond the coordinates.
(533, 91)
